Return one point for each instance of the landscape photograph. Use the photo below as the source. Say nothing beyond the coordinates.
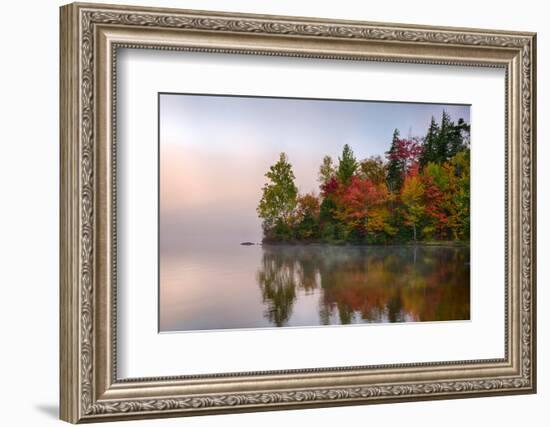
(293, 212)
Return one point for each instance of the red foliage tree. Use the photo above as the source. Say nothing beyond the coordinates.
(357, 200)
(434, 200)
(406, 152)
(330, 187)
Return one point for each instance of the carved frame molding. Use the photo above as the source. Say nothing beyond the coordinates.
(90, 37)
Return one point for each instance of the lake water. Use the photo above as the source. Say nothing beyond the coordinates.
(230, 286)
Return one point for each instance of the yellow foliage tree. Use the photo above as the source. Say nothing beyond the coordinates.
(412, 194)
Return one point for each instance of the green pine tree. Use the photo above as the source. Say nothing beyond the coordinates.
(326, 170)
(396, 166)
(444, 138)
(429, 152)
(347, 165)
(459, 138)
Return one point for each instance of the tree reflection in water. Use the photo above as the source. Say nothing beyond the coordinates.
(277, 279)
(367, 284)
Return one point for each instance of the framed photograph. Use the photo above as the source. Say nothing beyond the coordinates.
(266, 212)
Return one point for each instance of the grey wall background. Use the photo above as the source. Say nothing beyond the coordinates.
(29, 170)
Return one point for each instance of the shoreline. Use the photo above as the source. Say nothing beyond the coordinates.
(440, 243)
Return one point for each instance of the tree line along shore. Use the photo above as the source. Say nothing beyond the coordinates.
(418, 192)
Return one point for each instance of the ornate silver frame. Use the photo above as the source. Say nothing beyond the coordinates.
(90, 36)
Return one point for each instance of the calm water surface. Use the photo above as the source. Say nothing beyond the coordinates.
(231, 286)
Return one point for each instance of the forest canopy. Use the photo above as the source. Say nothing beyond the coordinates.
(420, 191)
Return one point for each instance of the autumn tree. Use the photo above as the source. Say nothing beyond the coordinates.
(412, 195)
(330, 227)
(459, 172)
(403, 156)
(435, 180)
(278, 198)
(374, 169)
(352, 207)
(361, 207)
(379, 227)
(307, 216)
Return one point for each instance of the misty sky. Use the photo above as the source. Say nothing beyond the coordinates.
(215, 150)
